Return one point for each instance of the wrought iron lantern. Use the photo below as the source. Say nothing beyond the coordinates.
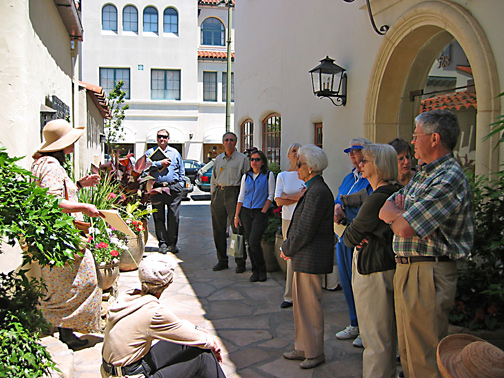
(330, 80)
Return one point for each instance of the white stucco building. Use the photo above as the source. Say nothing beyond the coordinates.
(436, 54)
(172, 57)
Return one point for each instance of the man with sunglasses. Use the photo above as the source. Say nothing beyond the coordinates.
(169, 174)
(228, 170)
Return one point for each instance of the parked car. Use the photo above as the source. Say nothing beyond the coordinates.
(204, 175)
(188, 188)
(191, 168)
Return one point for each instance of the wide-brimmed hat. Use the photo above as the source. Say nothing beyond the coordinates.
(353, 147)
(467, 356)
(59, 134)
(157, 269)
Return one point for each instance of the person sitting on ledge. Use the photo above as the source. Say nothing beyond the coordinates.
(137, 319)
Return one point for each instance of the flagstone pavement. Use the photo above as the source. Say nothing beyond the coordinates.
(253, 330)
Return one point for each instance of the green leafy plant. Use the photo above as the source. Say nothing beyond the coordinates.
(114, 130)
(274, 225)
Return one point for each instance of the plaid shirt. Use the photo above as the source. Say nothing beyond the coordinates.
(438, 206)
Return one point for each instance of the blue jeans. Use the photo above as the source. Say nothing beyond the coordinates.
(344, 256)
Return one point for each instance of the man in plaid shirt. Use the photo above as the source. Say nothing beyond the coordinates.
(432, 220)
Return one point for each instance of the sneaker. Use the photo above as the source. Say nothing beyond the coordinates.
(349, 332)
(163, 248)
(358, 342)
(294, 355)
(310, 363)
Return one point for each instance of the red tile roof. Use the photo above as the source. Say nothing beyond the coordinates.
(466, 69)
(211, 2)
(458, 100)
(207, 54)
(99, 98)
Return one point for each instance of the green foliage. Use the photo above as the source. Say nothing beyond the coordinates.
(29, 214)
(497, 127)
(275, 168)
(114, 131)
(20, 321)
(274, 225)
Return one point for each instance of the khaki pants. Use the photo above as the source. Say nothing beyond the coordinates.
(308, 314)
(374, 302)
(424, 294)
(290, 273)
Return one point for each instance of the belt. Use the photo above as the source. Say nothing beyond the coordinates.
(138, 367)
(417, 259)
(164, 184)
(227, 187)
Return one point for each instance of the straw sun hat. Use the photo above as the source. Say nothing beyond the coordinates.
(59, 134)
(467, 356)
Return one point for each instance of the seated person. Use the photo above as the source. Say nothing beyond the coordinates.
(137, 319)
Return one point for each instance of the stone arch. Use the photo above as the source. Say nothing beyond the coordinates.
(403, 62)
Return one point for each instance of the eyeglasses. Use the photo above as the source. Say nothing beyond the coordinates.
(162, 136)
(255, 159)
(364, 161)
(415, 136)
(229, 140)
(300, 164)
(352, 152)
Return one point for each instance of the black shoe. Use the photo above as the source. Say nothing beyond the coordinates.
(254, 277)
(286, 304)
(220, 266)
(67, 336)
(240, 268)
(173, 249)
(262, 277)
(163, 248)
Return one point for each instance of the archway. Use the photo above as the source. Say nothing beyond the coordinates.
(404, 61)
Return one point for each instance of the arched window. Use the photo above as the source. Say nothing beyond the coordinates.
(130, 19)
(212, 32)
(109, 18)
(150, 20)
(271, 137)
(170, 21)
(246, 135)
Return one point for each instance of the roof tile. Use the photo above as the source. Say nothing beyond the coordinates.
(457, 100)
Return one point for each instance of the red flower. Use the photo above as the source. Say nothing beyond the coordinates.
(114, 253)
(102, 245)
(112, 196)
(90, 238)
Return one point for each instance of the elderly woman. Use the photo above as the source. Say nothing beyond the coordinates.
(73, 297)
(352, 193)
(252, 210)
(310, 245)
(405, 170)
(374, 264)
(289, 188)
(138, 318)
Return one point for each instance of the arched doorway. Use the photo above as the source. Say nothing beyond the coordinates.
(403, 64)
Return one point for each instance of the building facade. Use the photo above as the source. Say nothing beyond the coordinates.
(172, 57)
(435, 54)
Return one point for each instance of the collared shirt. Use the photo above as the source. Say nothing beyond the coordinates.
(228, 171)
(438, 206)
(175, 172)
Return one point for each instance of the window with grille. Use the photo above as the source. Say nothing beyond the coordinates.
(110, 76)
(165, 85)
(246, 135)
(150, 20)
(271, 138)
(170, 21)
(109, 18)
(130, 19)
(212, 32)
(209, 86)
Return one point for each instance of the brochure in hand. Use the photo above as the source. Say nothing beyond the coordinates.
(113, 218)
(158, 155)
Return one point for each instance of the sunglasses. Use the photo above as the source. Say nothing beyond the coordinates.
(229, 140)
(300, 164)
(255, 159)
(162, 136)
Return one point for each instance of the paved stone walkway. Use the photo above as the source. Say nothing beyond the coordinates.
(253, 329)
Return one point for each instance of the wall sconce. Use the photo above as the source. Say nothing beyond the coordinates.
(330, 80)
(191, 136)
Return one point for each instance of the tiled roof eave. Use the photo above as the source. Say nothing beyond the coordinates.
(99, 98)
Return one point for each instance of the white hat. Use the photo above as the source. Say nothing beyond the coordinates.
(157, 269)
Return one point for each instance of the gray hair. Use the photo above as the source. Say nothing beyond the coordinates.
(360, 142)
(315, 157)
(291, 147)
(442, 122)
(229, 133)
(384, 159)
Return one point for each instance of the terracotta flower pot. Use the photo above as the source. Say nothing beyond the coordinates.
(131, 258)
(109, 273)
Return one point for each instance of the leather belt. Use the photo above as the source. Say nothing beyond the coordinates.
(227, 187)
(138, 367)
(417, 259)
(164, 184)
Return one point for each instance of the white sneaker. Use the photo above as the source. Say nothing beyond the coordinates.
(358, 342)
(349, 332)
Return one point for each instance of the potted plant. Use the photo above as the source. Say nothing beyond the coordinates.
(269, 238)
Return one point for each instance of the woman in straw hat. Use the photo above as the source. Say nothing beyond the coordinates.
(73, 297)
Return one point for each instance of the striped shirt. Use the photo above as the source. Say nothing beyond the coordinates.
(438, 207)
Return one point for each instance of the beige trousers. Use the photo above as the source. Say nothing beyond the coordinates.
(374, 302)
(424, 294)
(308, 314)
(289, 274)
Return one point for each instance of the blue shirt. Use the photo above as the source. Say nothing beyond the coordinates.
(175, 172)
(352, 183)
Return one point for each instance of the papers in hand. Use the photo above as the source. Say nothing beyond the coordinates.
(113, 218)
(158, 155)
(339, 229)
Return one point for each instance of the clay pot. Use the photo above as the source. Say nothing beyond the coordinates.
(109, 273)
(132, 257)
